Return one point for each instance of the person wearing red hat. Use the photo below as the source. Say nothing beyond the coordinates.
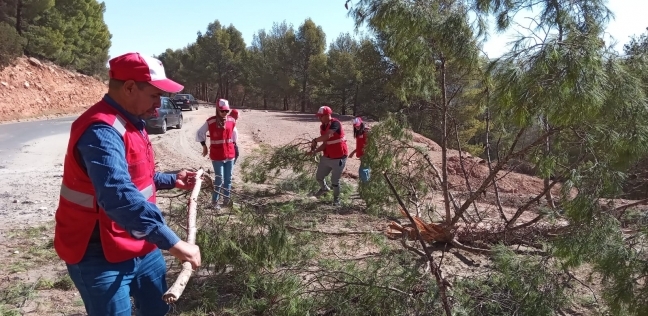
(108, 229)
(335, 151)
(222, 129)
(360, 133)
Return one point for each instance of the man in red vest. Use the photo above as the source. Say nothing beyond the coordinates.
(335, 151)
(109, 230)
(222, 130)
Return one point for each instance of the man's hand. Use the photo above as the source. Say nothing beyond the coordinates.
(185, 251)
(185, 180)
(310, 153)
(204, 153)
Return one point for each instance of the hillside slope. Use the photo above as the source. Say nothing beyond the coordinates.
(32, 88)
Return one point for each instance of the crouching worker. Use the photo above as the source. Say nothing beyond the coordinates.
(221, 128)
(334, 148)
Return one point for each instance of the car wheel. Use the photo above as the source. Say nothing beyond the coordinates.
(163, 129)
(179, 126)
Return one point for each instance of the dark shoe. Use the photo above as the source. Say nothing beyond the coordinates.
(321, 192)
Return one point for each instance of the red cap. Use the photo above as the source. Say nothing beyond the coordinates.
(357, 121)
(133, 66)
(324, 110)
(223, 105)
(234, 114)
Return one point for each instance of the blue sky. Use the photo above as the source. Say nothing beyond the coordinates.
(151, 26)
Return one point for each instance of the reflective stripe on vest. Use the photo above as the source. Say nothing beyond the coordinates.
(120, 125)
(87, 200)
(221, 141)
(335, 141)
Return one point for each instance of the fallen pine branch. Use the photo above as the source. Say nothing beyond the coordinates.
(434, 268)
(338, 233)
(174, 292)
(171, 196)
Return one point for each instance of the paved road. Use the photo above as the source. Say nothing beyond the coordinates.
(14, 136)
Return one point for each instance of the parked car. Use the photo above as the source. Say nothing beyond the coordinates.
(186, 101)
(168, 114)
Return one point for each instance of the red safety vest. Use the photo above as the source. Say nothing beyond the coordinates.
(361, 141)
(78, 211)
(221, 144)
(336, 146)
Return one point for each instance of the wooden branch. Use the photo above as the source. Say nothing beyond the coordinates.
(174, 292)
(500, 164)
(436, 270)
(490, 165)
(463, 168)
(338, 233)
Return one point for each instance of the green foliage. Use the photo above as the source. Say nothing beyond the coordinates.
(390, 149)
(267, 163)
(70, 33)
(12, 44)
(519, 285)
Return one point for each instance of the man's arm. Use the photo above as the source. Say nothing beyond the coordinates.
(234, 135)
(201, 134)
(335, 127)
(164, 181)
(320, 148)
(102, 151)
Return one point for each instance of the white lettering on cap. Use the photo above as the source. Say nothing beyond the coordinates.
(156, 69)
(321, 110)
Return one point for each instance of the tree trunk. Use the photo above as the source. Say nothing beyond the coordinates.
(304, 87)
(265, 102)
(343, 102)
(355, 100)
(444, 142)
(19, 8)
(227, 89)
(243, 99)
(285, 103)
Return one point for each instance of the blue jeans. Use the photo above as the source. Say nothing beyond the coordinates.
(106, 287)
(364, 173)
(222, 178)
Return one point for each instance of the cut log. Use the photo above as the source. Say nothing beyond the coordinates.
(174, 292)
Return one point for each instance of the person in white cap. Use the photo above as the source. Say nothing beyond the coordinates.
(222, 129)
(109, 231)
(360, 133)
(335, 151)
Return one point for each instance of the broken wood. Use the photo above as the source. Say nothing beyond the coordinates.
(174, 292)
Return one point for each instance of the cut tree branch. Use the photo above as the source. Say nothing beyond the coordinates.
(436, 270)
(174, 292)
(498, 168)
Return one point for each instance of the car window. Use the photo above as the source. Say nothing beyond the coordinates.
(165, 104)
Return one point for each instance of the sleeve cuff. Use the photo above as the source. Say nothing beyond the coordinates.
(164, 237)
(165, 181)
